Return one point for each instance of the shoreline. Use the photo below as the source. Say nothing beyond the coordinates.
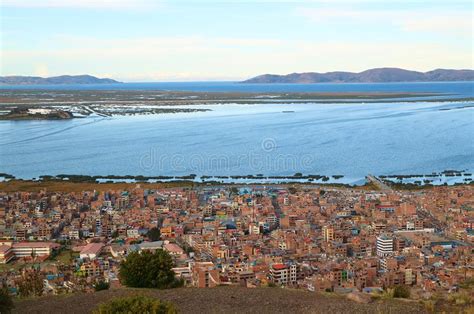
(66, 105)
(27, 97)
(109, 103)
(395, 182)
(65, 186)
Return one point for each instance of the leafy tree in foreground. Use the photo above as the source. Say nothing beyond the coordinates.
(6, 303)
(136, 305)
(154, 234)
(148, 270)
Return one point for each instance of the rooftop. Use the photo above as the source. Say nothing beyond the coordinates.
(92, 248)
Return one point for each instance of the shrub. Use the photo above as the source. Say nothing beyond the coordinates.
(429, 305)
(401, 292)
(30, 284)
(468, 283)
(149, 270)
(136, 305)
(460, 298)
(154, 234)
(101, 285)
(6, 303)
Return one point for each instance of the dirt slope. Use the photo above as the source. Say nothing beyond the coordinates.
(222, 300)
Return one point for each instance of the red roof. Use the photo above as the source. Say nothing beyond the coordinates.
(4, 249)
(35, 245)
(278, 266)
(92, 248)
(171, 247)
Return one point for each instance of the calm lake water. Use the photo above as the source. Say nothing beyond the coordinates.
(462, 89)
(272, 139)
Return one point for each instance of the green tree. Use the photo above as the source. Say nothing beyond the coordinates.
(6, 302)
(30, 284)
(401, 292)
(154, 234)
(148, 270)
(136, 305)
(101, 285)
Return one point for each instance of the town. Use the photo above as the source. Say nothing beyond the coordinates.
(317, 238)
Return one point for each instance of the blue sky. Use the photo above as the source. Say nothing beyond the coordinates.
(145, 40)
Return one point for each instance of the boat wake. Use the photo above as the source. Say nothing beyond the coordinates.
(52, 133)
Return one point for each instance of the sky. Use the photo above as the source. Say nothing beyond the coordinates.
(193, 40)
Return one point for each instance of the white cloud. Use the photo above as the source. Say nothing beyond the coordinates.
(41, 70)
(450, 24)
(429, 20)
(205, 58)
(87, 4)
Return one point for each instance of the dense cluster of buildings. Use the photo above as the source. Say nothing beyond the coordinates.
(320, 239)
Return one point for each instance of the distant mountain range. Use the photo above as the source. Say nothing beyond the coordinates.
(59, 80)
(379, 75)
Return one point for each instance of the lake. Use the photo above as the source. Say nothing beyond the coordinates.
(351, 139)
(462, 89)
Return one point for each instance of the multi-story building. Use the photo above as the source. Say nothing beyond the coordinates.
(94, 268)
(205, 275)
(33, 249)
(328, 233)
(384, 245)
(6, 254)
(283, 274)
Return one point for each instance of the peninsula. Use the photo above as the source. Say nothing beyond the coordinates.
(378, 75)
(36, 114)
(55, 80)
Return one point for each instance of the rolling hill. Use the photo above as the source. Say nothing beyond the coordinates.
(379, 75)
(56, 80)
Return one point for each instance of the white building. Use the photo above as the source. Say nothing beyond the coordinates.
(33, 249)
(283, 274)
(74, 234)
(150, 246)
(384, 245)
(133, 233)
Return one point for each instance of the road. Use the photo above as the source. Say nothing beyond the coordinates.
(379, 183)
(89, 109)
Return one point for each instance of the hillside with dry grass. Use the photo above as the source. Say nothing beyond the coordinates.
(223, 300)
